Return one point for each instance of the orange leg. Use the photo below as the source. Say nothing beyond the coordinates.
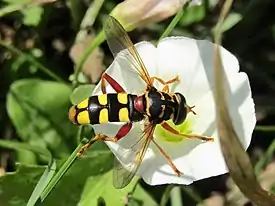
(167, 158)
(116, 86)
(165, 89)
(167, 127)
(123, 131)
(165, 83)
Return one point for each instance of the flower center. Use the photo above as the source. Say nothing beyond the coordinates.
(167, 136)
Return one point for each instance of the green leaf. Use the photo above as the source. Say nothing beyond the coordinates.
(82, 92)
(193, 15)
(32, 15)
(231, 20)
(141, 197)
(39, 112)
(16, 187)
(23, 146)
(42, 183)
(101, 187)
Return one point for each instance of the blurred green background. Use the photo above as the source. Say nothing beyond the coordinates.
(41, 44)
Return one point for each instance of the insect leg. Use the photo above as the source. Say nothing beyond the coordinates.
(116, 86)
(168, 158)
(165, 89)
(167, 127)
(165, 83)
(124, 130)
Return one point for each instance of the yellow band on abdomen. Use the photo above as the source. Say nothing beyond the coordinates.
(124, 115)
(103, 116)
(83, 118)
(102, 99)
(122, 98)
(83, 104)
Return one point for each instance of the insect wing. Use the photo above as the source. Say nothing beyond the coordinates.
(118, 40)
(131, 158)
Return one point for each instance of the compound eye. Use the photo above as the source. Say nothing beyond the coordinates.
(181, 110)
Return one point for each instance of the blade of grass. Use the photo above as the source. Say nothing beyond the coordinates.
(33, 61)
(62, 171)
(175, 20)
(42, 183)
(265, 159)
(265, 128)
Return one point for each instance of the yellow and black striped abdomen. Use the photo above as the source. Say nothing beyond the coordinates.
(106, 108)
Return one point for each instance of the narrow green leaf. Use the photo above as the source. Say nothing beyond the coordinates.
(42, 183)
(231, 20)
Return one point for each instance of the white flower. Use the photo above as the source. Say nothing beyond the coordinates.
(192, 60)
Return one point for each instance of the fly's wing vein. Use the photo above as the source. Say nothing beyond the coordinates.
(118, 40)
(131, 159)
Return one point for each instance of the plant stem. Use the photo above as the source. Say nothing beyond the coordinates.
(193, 194)
(176, 196)
(32, 61)
(175, 20)
(166, 195)
(96, 42)
(89, 19)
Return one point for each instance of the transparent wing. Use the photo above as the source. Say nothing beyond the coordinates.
(131, 157)
(118, 40)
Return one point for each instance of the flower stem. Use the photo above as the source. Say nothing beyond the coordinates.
(175, 20)
(96, 42)
(32, 60)
(166, 195)
(193, 194)
(176, 196)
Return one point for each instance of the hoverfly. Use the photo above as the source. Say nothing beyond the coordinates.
(153, 107)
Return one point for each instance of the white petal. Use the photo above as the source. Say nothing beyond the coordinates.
(192, 60)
